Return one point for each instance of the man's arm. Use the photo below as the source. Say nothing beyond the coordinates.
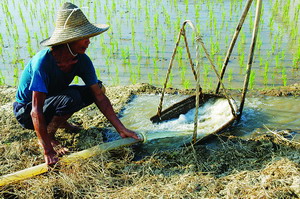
(40, 126)
(106, 108)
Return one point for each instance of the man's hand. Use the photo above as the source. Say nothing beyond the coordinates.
(104, 105)
(51, 158)
(128, 133)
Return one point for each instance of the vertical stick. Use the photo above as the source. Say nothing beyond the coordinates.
(250, 60)
(198, 89)
(168, 73)
(232, 43)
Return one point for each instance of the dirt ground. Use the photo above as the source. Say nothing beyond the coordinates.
(263, 167)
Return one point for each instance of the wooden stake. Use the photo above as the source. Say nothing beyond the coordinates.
(250, 59)
(232, 43)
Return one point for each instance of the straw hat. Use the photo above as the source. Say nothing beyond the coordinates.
(72, 25)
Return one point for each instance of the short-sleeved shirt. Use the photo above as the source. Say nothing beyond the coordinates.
(42, 74)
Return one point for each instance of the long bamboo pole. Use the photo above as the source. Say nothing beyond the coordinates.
(250, 60)
(159, 109)
(43, 168)
(233, 41)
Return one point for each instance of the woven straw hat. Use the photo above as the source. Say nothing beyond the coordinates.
(72, 25)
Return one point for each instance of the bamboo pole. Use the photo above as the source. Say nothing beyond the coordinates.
(250, 59)
(43, 168)
(168, 72)
(233, 41)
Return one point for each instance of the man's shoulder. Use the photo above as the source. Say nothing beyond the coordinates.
(84, 57)
(40, 58)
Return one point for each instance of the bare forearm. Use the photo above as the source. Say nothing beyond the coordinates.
(40, 128)
(106, 108)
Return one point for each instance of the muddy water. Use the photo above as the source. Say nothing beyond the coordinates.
(259, 115)
(278, 113)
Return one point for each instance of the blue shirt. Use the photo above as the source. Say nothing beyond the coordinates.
(43, 75)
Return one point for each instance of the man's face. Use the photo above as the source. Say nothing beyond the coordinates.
(80, 46)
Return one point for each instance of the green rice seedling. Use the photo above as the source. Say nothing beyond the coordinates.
(259, 44)
(294, 32)
(182, 73)
(197, 12)
(206, 70)
(252, 80)
(107, 63)
(117, 76)
(132, 22)
(133, 77)
(186, 2)
(277, 61)
(155, 20)
(1, 42)
(139, 70)
(284, 76)
(187, 84)
(242, 59)
(261, 60)
(273, 77)
(296, 59)
(16, 75)
(179, 53)
(178, 22)
(21, 62)
(155, 68)
(286, 9)
(170, 82)
(31, 52)
(114, 6)
(147, 51)
(156, 45)
(167, 18)
(2, 79)
(140, 45)
(139, 5)
(95, 10)
(98, 73)
(125, 54)
(138, 57)
(209, 86)
(150, 79)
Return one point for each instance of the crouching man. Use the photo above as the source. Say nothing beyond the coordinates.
(45, 99)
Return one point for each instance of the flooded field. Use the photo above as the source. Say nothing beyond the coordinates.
(138, 46)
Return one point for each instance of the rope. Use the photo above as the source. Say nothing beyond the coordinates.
(199, 39)
(189, 54)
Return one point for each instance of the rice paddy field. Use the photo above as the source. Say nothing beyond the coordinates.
(142, 35)
(132, 58)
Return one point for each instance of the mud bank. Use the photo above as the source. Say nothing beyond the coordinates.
(227, 167)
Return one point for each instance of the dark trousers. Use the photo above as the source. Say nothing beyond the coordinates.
(66, 102)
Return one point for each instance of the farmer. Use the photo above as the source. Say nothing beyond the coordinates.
(45, 100)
